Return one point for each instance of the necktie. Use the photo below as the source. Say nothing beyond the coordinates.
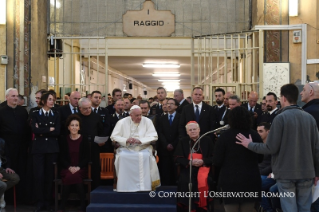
(95, 110)
(74, 110)
(170, 119)
(251, 109)
(197, 113)
(120, 116)
(160, 106)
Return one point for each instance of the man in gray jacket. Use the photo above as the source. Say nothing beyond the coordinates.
(293, 142)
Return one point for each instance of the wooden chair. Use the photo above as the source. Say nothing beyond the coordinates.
(107, 166)
(58, 181)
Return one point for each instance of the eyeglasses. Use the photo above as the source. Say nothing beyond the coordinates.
(87, 108)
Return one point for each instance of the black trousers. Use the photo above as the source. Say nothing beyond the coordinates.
(96, 165)
(43, 171)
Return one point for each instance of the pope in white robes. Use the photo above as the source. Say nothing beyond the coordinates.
(135, 165)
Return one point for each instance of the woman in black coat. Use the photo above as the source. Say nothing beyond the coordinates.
(238, 166)
(73, 160)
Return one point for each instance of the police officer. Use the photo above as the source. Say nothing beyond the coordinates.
(96, 98)
(45, 124)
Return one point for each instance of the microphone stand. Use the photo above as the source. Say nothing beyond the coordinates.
(190, 185)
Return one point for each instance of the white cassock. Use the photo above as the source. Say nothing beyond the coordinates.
(135, 165)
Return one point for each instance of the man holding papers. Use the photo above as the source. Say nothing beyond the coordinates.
(135, 164)
(92, 126)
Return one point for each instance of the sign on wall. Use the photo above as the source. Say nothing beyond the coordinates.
(149, 22)
(275, 75)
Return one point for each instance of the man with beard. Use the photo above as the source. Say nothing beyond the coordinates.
(127, 106)
(271, 103)
(91, 126)
(161, 95)
(220, 109)
(38, 95)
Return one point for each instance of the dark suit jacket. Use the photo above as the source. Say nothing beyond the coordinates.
(256, 110)
(155, 110)
(64, 156)
(111, 109)
(168, 134)
(45, 141)
(105, 118)
(114, 119)
(312, 107)
(219, 116)
(180, 107)
(64, 111)
(206, 119)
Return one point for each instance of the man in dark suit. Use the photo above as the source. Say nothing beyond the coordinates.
(145, 107)
(167, 142)
(161, 95)
(220, 109)
(199, 111)
(69, 109)
(92, 126)
(179, 96)
(271, 103)
(117, 94)
(254, 108)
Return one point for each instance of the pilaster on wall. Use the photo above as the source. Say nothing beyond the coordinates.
(39, 59)
(2, 67)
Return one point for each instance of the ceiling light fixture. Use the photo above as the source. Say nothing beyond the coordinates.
(161, 65)
(175, 74)
(169, 80)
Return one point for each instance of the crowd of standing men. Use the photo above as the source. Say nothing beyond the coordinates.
(31, 149)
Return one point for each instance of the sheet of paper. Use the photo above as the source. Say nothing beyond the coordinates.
(100, 140)
(315, 192)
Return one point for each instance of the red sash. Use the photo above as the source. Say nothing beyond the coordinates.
(202, 181)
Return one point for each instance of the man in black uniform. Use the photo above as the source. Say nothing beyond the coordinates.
(118, 114)
(71, 108)
(220, 109)
(96, 98)
(117, 94)
(92, 126)
(14, 129)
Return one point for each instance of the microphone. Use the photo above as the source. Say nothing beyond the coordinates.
(218, 130)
